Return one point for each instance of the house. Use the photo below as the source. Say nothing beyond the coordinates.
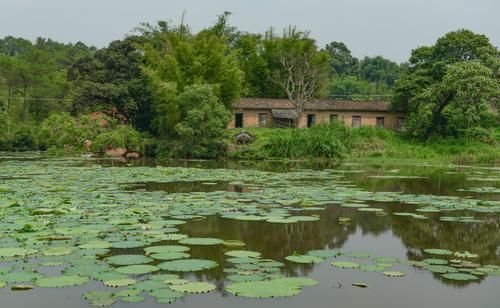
(263, 112)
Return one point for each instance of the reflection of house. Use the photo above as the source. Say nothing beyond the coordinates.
(257, 112)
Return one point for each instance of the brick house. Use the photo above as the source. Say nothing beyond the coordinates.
(258, 112)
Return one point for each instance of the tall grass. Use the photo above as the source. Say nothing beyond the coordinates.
(332, 140)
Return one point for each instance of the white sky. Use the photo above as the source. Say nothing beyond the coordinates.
(391, 28)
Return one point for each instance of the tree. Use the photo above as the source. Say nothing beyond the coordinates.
(380, 70)
(203, 122)
(303, 70)
(430, 92)
(341, 60)
(112, 79)
(456, 103)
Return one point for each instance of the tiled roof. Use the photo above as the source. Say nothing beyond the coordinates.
(324, 104)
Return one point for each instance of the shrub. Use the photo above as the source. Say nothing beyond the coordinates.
(123, 136)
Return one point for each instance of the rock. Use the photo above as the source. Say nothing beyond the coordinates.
(132, 155)
(116, 152)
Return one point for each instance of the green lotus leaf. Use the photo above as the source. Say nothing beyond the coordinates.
(188, 265)
(440, 269)
(17, 277)
(438, 251)
(354, 205)
(243, 254)
(466, 255)
(233, 243)
(167, 256)
(386, 260)
(281, 287)
(165, 293)
(201, 241)
(176, 281)
(16, 252)
(194, 287)
(95, 245)
(435, 261)
(148, 285)
(61, 281)
(137, 269)
(304, 218)
(2, 284)
(92, 295)
(394, 274)
(327, 253)
(119, 282)
(57, 250)
(129, 244)
(132, 299)
(165, 249)
(372, 267)
(242, 260)
(128, 292)
(128, 260)
(459, 276)
(304, 259)
(102, 302)
(345, 264)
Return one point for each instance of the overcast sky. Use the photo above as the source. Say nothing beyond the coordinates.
(369, 27)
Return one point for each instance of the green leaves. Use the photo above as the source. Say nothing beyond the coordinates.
(61, 281)
(189, 265)
(281, 287)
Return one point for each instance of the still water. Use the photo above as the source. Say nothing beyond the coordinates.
(390, 236)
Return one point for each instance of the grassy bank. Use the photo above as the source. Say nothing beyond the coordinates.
(333, 142)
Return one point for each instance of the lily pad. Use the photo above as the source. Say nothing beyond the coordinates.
(188, 265)
(345, 264)
(137, 269)
(194, 287)
(459, 276)
(304, 259)
(61, 281)
(201, 241)
(280, 287)
(128, 260)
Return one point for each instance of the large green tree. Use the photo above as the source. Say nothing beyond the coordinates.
(434, 92)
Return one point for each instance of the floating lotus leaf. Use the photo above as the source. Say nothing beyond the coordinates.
(167, 256)
(243, 254)
(137, 269)
(270, 263)
(61, 281)
(148, 285)
(194, 287)
(438, 251)
(97, 295)
(370, 209)
(440, 269)
(233, 243)
(362, 255)
(128, 260)
(304, 259)
(327, 253)
(176, 281)
(394, 274)
(16, 252)
(129, 244)
(128, 292)
(466, 254)
(16, 277)
(165, 249)
(2, 284)
(354, 205)
(188, 265)
(119, 283)
(386, 259)
(57, 250)
(95, 245)
(173, 237)
(280, 287)
(242, 260)
(201, 241)
(345, 264)
(372, 268)
(132, 299)
(459, 276)
(165, 293)
(435, 261)
(102, 302)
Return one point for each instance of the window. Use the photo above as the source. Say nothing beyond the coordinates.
(334, 117)
(311, 119)
(380, 122)
(238, 120)
(356, 121)
(400, 123)
(262, 119)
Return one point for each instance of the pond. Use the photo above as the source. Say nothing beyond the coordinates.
(77, 232)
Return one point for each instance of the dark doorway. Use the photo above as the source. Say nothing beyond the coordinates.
(311, 120)
(238, 120)
(356, 121)
(380, 122)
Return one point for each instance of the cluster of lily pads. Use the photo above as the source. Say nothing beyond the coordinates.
(83, 220)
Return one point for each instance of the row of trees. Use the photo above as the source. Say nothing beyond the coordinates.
(174, 84)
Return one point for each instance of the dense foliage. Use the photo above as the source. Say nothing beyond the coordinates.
(451, 87)
(175, 87)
